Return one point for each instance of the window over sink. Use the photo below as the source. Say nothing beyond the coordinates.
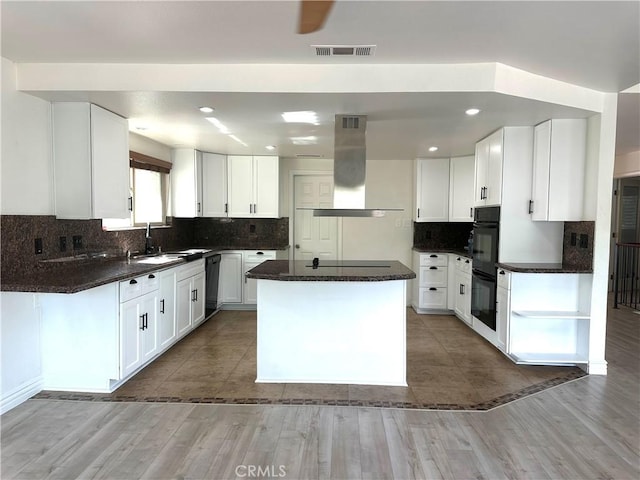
(148, 191)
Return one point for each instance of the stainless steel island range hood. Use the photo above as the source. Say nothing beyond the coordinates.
(349, 171)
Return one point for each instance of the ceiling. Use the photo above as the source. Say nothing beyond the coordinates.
(590, 44)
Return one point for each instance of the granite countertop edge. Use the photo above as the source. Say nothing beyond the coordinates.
(74, 279)
(543, 268)
(279, 270)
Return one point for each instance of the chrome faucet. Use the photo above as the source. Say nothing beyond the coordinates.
(148, 246)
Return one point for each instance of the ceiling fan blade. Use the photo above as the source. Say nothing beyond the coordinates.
(313, 14)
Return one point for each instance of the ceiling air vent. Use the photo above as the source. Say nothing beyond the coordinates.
(308, 155)
(344, 50)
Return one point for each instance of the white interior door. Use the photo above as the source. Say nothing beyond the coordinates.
(314, 236)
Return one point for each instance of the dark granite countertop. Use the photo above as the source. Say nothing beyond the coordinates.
(331, 271)
(81, 275)
(543, 268)
(455, 251)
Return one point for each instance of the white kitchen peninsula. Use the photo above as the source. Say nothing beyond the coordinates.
(337, 322)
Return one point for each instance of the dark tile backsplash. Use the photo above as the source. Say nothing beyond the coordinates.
(242, 233)
(577, 255)
(441, 235)
(18, 234)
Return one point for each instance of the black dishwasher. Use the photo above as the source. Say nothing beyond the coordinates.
(212, 272)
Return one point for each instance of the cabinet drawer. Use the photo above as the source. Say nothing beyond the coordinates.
(190, 269)
(432, 297)
(504, 278)
(433, 276)
(463, 264)
(433, 259)
(138, 286)
(259, 256)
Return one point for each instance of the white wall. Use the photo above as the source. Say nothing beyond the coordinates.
(627, 165)
(27, 169)
(389, 184)
(21, 375)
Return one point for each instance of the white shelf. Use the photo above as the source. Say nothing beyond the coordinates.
(547, 358)
(572, 315)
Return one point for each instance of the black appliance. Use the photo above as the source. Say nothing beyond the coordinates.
(212, 273)
(486, 223)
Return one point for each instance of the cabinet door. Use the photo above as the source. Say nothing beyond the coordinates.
(433, 297)
(493, 192)
(266, 179)
(130, 337)
(214, 185)
(183, 306)
(240, 185)
(539, 206)
(186, 182)
(198, 296)
(230, 290)
(459, 295)
(250, 290)
(432, 190)
(71, 123)
(480, 179)
(166, 310)
(110, 164)
(461, 172)
(148, 309)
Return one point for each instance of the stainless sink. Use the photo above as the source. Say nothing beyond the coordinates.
(157, 259)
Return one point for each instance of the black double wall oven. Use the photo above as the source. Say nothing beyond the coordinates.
(486, 234)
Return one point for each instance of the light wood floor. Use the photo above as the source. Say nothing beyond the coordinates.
(588, 428)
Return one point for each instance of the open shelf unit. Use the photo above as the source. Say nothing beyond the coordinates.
(549, 318)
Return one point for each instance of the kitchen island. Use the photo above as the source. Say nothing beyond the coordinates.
(334, 322)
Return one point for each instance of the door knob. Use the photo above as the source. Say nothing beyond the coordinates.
(297, 246)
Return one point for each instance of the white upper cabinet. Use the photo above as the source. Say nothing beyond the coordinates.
(214, 185)
(186, 182)
(91, 162)
(253, 186)
(559, 155)
(461, 171)
(432, 190)
(488, 170)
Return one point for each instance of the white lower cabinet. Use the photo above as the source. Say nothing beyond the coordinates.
(462, 289)
(547, 317)
(430, 286)
(230, 289)
(94, 340)
(190, 297)
(138, 322)
(236, 290)
(167, 331)
(138, 332)
(503, 309)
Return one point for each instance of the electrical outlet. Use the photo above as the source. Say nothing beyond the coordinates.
(38, 246)
(77, 242)
(574, 239)
(252, 228)
(584, 240)
(63, 244)
(427, 235)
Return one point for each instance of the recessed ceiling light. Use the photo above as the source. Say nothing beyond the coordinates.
(433, 149)
(206, 109)
(311, 140)
(270, 147)
(301, 117)
(472, 111)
